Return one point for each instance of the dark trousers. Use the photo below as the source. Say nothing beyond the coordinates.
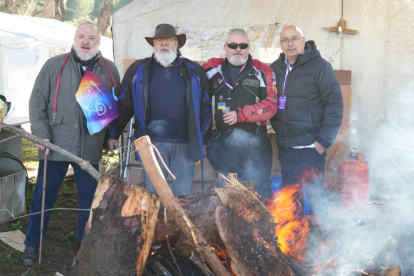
(56, 171)
(247, 154)
(306, 166)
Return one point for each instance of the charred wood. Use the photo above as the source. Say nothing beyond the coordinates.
(298, 268)
(247, 228)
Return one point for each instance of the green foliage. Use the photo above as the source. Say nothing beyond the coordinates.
(12, 255)
(82, 7)
(65, 187)
(110, 164)
(16, 225)
(23, 5)
(29, 151)
(66, 236)
(78, 11)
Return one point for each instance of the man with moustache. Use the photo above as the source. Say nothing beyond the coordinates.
(243, 101)
(309, 115)
(56, 116)
(170, 98)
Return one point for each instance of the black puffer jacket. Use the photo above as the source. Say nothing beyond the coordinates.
(314, 105)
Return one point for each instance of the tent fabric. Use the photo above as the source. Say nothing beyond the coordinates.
(25, 45)
(381, 58)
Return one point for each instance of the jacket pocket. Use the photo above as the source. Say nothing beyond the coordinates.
(54, 123)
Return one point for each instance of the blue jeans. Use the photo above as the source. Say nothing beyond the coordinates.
(56, 171)
(177, 158)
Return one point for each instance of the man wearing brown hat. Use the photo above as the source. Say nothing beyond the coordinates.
(170, 98)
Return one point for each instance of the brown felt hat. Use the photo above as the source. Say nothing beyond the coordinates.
(166, 30)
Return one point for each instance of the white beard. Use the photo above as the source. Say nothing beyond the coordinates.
(237, 60)
(85, 57)
(165, 59)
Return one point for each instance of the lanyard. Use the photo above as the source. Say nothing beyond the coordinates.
(231, 87)
(112, 83)
(287, 72)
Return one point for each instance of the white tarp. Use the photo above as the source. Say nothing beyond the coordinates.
(25, 45)
(381, 58)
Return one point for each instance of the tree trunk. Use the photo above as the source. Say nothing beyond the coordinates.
(119, 232)
(247, 228)
(11, 8)
(48, 10)
(104, 18)
(60, 9)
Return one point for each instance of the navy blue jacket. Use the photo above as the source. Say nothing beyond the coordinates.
(134, 101)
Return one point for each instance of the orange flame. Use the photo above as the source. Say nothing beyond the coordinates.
(292, 227)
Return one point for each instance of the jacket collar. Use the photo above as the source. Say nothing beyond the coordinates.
(247, 68)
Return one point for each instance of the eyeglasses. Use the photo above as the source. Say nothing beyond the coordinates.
(234, 46)
(168, 39)
(292, 40)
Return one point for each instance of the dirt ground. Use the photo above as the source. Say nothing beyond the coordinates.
(60, 245)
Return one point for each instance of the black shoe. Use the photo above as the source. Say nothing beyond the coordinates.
(29, 256)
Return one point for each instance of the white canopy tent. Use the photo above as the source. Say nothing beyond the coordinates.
(25, 45)
(381, 58)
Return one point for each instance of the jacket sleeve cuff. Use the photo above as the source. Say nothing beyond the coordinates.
(323, 142)
(114, 133)
(240, 115)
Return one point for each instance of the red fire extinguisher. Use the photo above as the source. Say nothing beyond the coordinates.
(353, 180)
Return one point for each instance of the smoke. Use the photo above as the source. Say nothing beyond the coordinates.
(361, 233)
(242, 139)
(247, 155)
(158, 127)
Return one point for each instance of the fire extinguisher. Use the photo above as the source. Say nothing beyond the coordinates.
(353, 177)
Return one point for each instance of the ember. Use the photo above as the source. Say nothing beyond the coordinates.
(292, 227)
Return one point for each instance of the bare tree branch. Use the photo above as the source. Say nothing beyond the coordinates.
(85, 165)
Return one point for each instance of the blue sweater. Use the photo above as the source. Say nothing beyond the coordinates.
(167, 104)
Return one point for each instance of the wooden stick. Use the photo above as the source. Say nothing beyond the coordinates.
(171, 203)
(85, 165)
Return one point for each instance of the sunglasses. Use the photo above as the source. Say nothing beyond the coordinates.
(234, 46)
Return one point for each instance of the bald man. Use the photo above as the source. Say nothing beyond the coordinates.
(309, 115)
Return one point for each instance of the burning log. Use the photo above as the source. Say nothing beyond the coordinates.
(247, 229)
(119, 232)
(298, 268)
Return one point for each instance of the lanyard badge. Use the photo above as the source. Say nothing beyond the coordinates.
(283, 97)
